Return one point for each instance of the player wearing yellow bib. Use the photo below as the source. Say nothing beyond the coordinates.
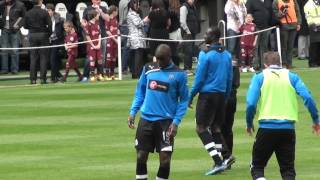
(278, 112)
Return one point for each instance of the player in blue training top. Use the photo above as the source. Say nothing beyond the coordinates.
(162, 95)
(276, 89)
(212, 81)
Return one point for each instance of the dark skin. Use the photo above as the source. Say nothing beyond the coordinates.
(209, 38)
(163, 56)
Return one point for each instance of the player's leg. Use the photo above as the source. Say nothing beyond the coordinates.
(74, 64)
(114, 56)
(164, 146)
(100, 65)
(226, 128)
(285, 153)
(164, 168)
(108, 59)
(218, 119)
(144, 144)
(68, 64)
(92, 59)
(108, 67)
(141, 166)
(243, 57)
(204, 112)
(263, 148)
(113, 65)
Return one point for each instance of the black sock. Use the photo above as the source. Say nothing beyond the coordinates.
(163, 172)
(209, 145)
(141, 171)
(100, 69)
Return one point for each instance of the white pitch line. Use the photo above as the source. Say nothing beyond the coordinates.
(16, 86)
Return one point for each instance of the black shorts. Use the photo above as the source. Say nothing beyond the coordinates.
(210, 111)
(152, 135)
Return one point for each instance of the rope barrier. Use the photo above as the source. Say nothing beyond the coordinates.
(133, 37)
(59, 45)
(256, 32)
(164, 40)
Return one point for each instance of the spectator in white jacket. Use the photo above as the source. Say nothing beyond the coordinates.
(135, 43)
(236, 13)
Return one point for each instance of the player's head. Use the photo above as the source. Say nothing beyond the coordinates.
(212, 35)
(163, 55)
(68, 26)
(113, 10)
(93, 14)
(249, 18)
(271, 58)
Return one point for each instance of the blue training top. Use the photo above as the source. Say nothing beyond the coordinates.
(161, 93)
(253, 96)
(214, 72)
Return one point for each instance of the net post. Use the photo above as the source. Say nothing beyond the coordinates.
(224, 30)
(279, 44)
(119, 57)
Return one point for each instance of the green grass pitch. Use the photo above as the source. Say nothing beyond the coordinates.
(77, 131)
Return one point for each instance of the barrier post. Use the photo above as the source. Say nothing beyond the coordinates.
(119, 58)
(279, 44)
(224, 31)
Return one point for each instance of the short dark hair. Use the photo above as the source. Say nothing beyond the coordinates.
(35, 2)
(50, 6)
(92, 14)
(163, 51)
(157, 4)
(212, 35)
(271, 58)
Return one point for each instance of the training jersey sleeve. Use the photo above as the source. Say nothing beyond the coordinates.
(139, 94)
(253, 96)
(305, 94)
(183, 99)
(200, 75)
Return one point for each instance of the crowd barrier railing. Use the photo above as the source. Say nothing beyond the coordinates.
(120, 75)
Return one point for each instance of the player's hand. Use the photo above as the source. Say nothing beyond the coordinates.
(316, 129)
(250, 131)
(131, 122)
(172, 130)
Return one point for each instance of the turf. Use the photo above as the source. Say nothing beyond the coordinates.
(78, 131)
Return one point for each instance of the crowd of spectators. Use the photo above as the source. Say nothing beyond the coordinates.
(158, 19)
(295, 18)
